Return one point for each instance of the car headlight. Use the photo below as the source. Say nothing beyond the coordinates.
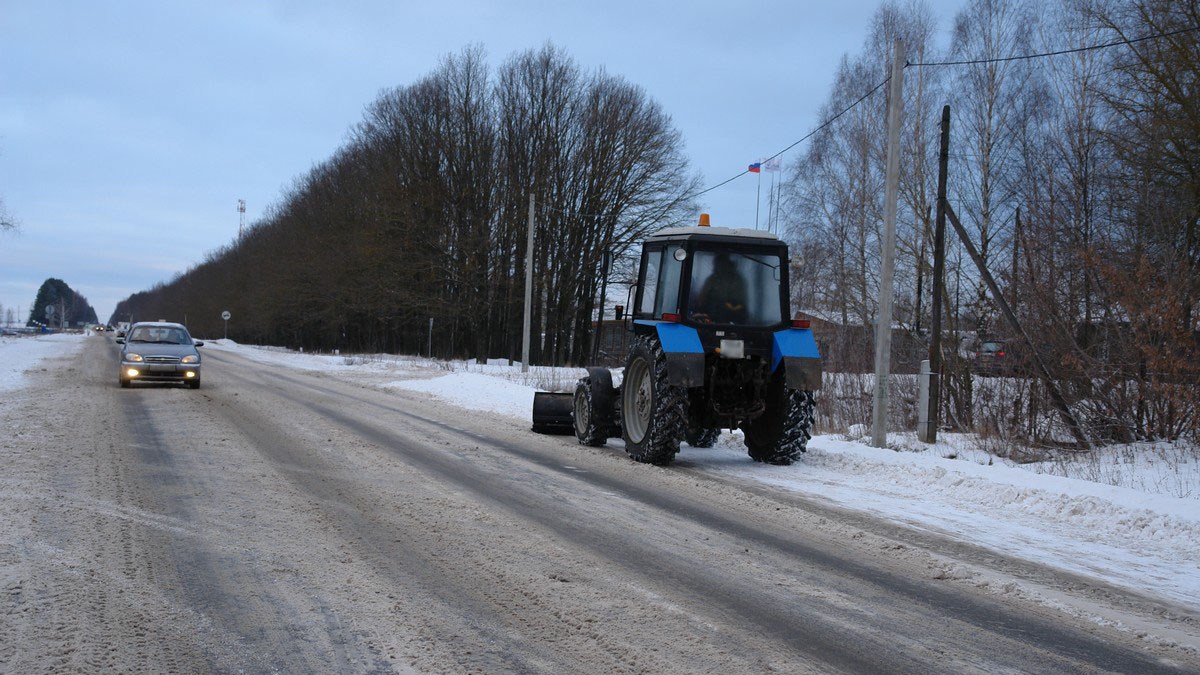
(190, 358)
(136, 358)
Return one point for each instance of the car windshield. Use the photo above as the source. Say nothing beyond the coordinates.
(159, 335)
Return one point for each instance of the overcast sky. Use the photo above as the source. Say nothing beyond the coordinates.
(129, 130)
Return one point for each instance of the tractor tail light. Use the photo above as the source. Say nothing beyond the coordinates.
(673, 318)
(801, 323)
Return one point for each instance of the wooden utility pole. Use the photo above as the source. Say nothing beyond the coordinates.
(929, 433)
(883, 322)
(1018, 237)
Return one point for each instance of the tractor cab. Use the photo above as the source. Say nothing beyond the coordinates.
(726, 283)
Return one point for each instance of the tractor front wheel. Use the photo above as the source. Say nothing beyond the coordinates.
(593, 407)
(653, 411)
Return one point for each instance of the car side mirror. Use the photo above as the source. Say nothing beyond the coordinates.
(120, 341)
(199, 343)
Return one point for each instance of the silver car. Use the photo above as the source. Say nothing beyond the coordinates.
(159, 351)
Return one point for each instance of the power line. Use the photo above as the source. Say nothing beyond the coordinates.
(877, 87)
(1060, 52)
(807, 136)
(948, 63)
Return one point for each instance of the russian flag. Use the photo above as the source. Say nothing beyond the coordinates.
(755, 167)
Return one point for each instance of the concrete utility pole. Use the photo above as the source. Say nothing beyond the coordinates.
(528, 290)
(883, 324)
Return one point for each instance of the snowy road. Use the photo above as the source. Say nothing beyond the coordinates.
(286, 521)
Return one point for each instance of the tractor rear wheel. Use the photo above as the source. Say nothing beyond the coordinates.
(702, 438)
(782, 432)
(653, 411)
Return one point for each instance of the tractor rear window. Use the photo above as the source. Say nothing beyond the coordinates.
(735, 288)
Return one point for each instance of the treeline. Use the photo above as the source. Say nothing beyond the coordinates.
(1077, 176)
(414, 232)
(57, 304)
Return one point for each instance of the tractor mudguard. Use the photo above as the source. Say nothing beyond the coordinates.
(797, 350)
(683, 351)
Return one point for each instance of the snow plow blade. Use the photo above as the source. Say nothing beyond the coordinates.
(552, 413)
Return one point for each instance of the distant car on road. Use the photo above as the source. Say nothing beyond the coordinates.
(159, 351)
(992, 358)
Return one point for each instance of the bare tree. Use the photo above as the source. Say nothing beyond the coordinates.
(991, 110)
(1149, 258)
(606, 167)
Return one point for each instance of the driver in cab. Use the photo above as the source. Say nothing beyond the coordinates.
(722, 297)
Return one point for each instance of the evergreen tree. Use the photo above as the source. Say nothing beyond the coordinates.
(69, 307)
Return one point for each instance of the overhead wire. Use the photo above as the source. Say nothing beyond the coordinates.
(908, 64)
(731, 179)
(856, 103)
(1076, 50)
(805, 137)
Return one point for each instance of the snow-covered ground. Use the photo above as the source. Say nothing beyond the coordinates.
(1128, 515)
(20, 357)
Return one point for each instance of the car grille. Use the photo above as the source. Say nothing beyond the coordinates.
(162, 359)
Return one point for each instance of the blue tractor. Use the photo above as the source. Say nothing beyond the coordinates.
(713, 349)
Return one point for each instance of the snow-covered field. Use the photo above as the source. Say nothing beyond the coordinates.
(1128, 515)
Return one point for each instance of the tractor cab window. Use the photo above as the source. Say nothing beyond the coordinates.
(660, 286)
(729, 287)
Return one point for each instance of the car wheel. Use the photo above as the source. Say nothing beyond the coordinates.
(125, 384)
(194, 384)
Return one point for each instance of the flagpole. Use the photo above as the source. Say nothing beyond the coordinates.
(771, 205)
(757, 199)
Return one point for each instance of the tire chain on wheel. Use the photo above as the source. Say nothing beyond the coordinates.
(668, 420)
